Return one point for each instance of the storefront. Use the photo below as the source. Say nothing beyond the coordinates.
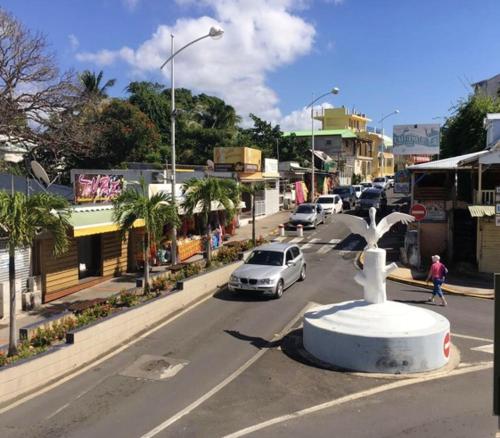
(97, 251)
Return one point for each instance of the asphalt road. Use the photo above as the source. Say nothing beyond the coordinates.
(237, 368)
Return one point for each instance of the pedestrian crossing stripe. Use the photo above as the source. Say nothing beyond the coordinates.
(484, 348)
(329, 246)
(310, 243)
(296, 240)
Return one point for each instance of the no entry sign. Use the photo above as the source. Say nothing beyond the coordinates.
(418, 211)
(446, 345)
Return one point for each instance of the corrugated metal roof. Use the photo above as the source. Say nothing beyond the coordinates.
(345, 133)
(447, 163)
(481, 210)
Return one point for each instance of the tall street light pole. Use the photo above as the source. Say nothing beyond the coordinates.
(381, 121)
(334, 90)
(214, 33)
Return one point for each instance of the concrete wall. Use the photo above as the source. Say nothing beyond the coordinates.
(272, 200)
(88, 343)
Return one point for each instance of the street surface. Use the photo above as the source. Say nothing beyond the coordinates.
(237, 368)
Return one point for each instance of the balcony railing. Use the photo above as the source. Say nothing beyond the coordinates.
(484, 197)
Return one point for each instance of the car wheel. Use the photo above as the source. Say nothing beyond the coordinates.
(278, 293)
(302, 273)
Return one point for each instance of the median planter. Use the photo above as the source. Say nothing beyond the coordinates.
(87, 343)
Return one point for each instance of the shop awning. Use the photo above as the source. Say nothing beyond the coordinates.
(88, 220)
(214, 207)
(481, 210)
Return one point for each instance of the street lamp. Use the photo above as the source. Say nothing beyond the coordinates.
(381, 121)
(215, 32)
(334, 90)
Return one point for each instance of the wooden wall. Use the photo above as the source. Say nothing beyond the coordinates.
(489, 260)
(58, 272)
(114, 254)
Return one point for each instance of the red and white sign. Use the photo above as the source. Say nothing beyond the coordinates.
(418, 211)
(447, 345)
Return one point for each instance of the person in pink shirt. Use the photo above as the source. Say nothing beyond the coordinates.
(437, 273)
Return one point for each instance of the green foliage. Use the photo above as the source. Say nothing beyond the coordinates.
(356, 178)
(159, 284)
(92, 84)
(228, 254)
(93, 313)
(464, 132)
(128, 299)
(192, 269)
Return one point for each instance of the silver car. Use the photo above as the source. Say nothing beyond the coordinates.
(270, 268)
(307, 215)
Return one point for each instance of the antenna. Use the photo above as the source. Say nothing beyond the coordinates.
(40, 173)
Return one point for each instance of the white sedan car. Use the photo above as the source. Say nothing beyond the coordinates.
(331, 203)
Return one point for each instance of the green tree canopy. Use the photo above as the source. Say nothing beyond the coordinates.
(93, 87)
(464, 131)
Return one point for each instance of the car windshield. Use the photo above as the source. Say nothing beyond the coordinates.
(325, 200)
(305, 209)
(370, 195)
(269, 258)
(357, 189)
(379, 180)
(341, 190)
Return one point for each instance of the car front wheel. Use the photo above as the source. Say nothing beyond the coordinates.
(302, 273)
(278, 293)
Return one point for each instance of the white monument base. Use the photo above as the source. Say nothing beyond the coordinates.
(386, 337)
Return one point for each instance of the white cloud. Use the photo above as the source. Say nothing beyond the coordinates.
(300, 120)
(73, 41)
(260, 37)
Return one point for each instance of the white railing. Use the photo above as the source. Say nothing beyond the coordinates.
(260, 208)
(485, 197)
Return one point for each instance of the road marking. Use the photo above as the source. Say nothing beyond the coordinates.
(356, 396)
(329, 246)
(102, 359)
(168, 422)
(279, 239)
(310, 243)
(484, 348)
(474, 338)
(296, 240)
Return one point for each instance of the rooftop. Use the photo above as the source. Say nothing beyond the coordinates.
(345, 133)
(447, 163)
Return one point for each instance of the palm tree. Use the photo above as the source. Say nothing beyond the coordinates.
(156, 211)
(201, 194)
(92, 84)
(252, 190)
(22, 218)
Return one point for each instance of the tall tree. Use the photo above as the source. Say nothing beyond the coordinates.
(464, 131)
(92, 84)
(156, 211)
(22, 218)
(202, 194)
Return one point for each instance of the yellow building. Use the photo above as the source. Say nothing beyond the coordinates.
(381, 163)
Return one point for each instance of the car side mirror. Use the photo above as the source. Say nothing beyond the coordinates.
(290, 263)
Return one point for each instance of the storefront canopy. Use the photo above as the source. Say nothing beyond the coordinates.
(481, 210)
(95, 220)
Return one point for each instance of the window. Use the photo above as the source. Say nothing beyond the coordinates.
(328, 142)
(295, 252)
(289, 256)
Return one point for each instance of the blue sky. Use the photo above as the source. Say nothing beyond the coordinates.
(415, 55)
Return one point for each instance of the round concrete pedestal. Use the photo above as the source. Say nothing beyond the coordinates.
(387, 337)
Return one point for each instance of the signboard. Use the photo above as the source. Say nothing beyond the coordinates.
(418, 211)
(271, 167)
(402, 181)
(97, 188)
(238, 159)
(416, 139)
(436, 211)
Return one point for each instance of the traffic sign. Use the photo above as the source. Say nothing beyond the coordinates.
(446, 346)
(418, 211)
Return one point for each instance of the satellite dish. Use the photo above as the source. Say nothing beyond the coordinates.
(40, 173)
(210, 165)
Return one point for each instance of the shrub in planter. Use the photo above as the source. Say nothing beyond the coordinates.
(228, 254)
(192, 269)
(128, 299)
(159, 284)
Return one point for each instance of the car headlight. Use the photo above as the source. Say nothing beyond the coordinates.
(233, 278)
(266, 281)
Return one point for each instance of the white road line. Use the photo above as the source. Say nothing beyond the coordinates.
(484, 348)
(356, 396)
(329, 246)
(279, 238)
(168, 422)
(297, 240)
(310, 243)
(474, 338)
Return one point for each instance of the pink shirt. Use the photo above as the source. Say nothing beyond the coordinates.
(437, 270)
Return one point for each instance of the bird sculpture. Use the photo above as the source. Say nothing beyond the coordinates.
(373, 232)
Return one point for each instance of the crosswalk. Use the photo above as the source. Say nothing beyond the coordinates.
(310, 244)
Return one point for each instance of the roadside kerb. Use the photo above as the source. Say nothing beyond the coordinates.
(88, 343)
(445, 287)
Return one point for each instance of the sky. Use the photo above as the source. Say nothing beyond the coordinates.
(417, 56)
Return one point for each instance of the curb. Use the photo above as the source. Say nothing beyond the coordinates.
(424, 285)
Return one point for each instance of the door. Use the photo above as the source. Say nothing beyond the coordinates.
(89, 256)
(298, 260)
(289, 271)
(338, 204)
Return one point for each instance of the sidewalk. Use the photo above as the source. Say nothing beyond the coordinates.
(266, 226)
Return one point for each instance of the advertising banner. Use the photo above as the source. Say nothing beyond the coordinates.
(402, 182)
(416, 139)
(238, 159)
(436, 210)
(96, 188)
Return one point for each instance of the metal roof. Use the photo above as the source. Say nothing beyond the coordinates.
(447, 163)
(345, 133)
(481, 210)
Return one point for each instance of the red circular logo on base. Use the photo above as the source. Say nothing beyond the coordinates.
(447, 345)
(418, 211)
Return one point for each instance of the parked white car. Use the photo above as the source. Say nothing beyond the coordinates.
(358, 188)
(331, 203)
(380, 183)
